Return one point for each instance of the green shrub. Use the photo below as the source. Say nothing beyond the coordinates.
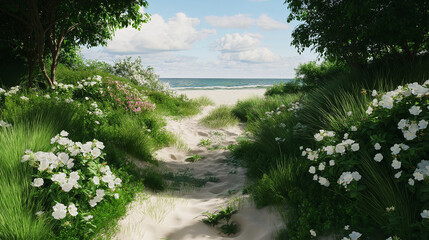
(313, 75)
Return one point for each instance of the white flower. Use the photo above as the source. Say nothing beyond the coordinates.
(347, 227)
(403, 123)
(415, 110)
(409, 135)
(349, 113)
(312, 156)
(324, 182)
(315, 177)
(60, 211)
(67, 186)
(377, 146)
(321, 166)
(356, 176)
(369, 110)
(97, 122)
(340, 148)
(100, 192)
(404, 146)
(411, 181)
(72, 210)
(89, 217)
(374, 93)
(398, 174)
(64, 133)
(396, 164)
(95, 152)
(39, 213)
(425, 214)
(353, 128)
(86, 98)
(346, 136)
(116, 195)
(96, 180)
(355, 235)
(24, 98)
(331, 163)
(282, 125)
(318, 137)
(329, 150)
(47, 96)
(423, 124)
(395, 149)
(418, 176)
(37, 182)
(313, 233)
(355, 147)
(93, 202)
(378, 157)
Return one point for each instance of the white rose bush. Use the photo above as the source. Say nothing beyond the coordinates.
(74, 177)
(381, 162)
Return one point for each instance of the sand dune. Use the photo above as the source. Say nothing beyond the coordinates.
(177, 215)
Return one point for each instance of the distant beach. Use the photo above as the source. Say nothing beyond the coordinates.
(222, 90)
(180, 84)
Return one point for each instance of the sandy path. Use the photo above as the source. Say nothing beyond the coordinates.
(177, 215)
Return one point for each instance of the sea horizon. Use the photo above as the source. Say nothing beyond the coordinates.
(222, 83)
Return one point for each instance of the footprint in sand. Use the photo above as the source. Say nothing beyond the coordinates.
(203, 134)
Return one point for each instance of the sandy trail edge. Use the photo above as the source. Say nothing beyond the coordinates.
(178, 215)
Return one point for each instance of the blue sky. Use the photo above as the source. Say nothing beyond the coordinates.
(211, 38)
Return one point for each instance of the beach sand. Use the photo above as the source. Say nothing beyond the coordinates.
(177, 215)
(225, 96)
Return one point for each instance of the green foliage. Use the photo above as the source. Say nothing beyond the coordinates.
(139, 75)
(38, 115)
(286, 88)
(205, 142)
(356, 32)
(313, 75)
(224, 215)
(194, 158)
(219, 117)
(282, 175)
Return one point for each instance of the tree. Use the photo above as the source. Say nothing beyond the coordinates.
(48, 23)
(358, 31)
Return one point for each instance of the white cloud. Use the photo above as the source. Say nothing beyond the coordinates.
(256, 55)
(177, 33)
(240, 21)
(238, 42)
(236, 21)
(244, 48)
(267, 23)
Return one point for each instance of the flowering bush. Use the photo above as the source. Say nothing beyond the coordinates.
(394, 136)
(72, 177)
(128, 97)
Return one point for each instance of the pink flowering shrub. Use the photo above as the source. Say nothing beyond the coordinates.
(128, 97)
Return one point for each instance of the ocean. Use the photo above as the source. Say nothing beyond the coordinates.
(221, 83)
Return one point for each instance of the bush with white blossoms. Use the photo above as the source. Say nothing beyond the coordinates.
(393, 139)
(74, 176)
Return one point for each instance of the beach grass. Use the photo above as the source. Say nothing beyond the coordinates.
(219, 117)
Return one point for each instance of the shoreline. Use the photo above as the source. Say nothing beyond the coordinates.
(224, 96)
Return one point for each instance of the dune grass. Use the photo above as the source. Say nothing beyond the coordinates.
(282, 174)
(36, 121)
(219, 117)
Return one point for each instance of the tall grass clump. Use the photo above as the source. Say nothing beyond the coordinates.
(219, 117)
(17, 218)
